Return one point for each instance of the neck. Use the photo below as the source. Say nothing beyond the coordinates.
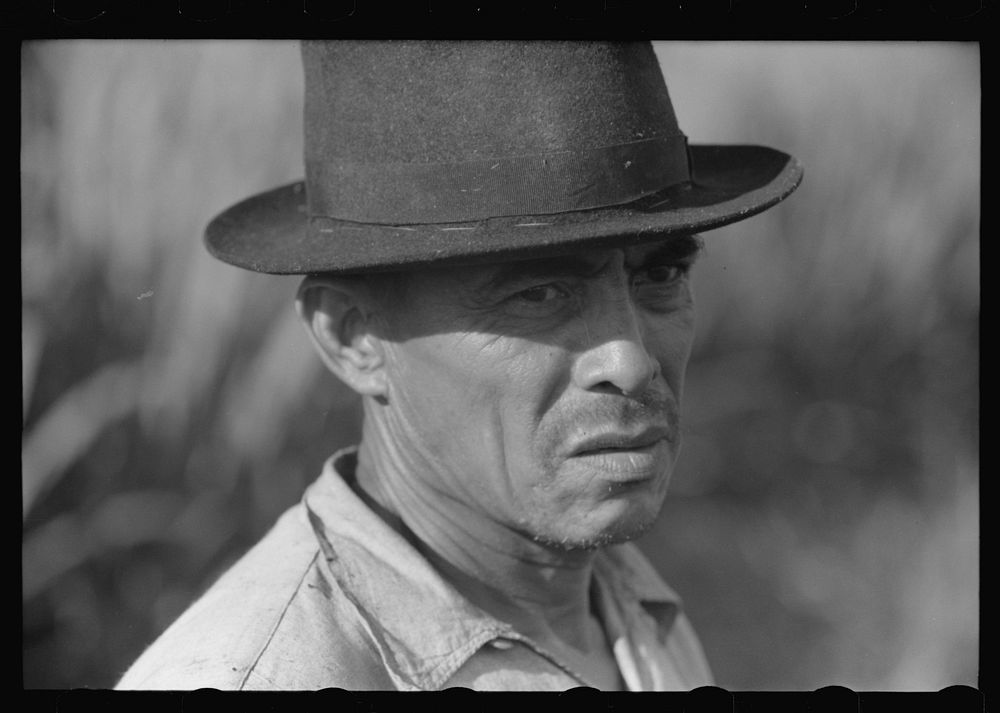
(542, 592)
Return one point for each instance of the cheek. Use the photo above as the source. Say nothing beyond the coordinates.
(670, 340)
(529, 379)
(521, 382)
(482, 381)
(431, 390)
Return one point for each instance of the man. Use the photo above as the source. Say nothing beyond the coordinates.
(497, 239)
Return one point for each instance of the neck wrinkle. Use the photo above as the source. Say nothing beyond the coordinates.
(541, 592)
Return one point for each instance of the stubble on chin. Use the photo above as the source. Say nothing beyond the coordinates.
(607, 538)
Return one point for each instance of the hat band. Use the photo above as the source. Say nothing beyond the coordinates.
(403, 193)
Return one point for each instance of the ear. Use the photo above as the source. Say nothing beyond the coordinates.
(338, 317)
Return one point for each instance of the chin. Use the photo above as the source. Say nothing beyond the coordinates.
(623, 529)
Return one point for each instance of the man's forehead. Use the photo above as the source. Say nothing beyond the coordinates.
(581, 261)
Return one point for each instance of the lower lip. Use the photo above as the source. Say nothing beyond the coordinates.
(628, 464)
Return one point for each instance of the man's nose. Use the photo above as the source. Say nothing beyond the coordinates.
(616, 357)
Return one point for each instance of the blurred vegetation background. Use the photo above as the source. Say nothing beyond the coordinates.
(824, 520)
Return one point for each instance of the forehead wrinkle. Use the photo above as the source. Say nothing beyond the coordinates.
(589, 263)
(482, 280)
(573, 265)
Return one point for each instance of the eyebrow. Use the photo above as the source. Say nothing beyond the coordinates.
(681, 248)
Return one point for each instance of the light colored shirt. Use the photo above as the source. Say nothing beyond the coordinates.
(333, 597)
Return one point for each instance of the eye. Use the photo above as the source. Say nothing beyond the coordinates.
(665, 274)
(541, 294)
(661, 288)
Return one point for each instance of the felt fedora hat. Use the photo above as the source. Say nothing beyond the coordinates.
(420, 152)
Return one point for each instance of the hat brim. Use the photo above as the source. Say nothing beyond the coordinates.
(272, 232)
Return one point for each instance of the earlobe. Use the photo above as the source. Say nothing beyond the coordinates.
(339, 323)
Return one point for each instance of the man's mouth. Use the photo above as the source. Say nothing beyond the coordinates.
(620, 441)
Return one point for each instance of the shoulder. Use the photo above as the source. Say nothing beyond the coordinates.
(274, 620)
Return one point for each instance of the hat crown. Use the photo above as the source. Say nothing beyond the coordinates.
(384, 102)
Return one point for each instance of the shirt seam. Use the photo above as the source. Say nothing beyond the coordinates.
(277, 623)
(547, 655)
(438, 676)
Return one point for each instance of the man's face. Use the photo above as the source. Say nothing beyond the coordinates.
(544, 394)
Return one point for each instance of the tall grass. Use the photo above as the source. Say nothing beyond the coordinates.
(825, 510)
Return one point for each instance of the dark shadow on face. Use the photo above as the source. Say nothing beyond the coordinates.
(531, 298)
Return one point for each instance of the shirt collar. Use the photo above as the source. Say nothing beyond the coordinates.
(389, 582)
(634, 582)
